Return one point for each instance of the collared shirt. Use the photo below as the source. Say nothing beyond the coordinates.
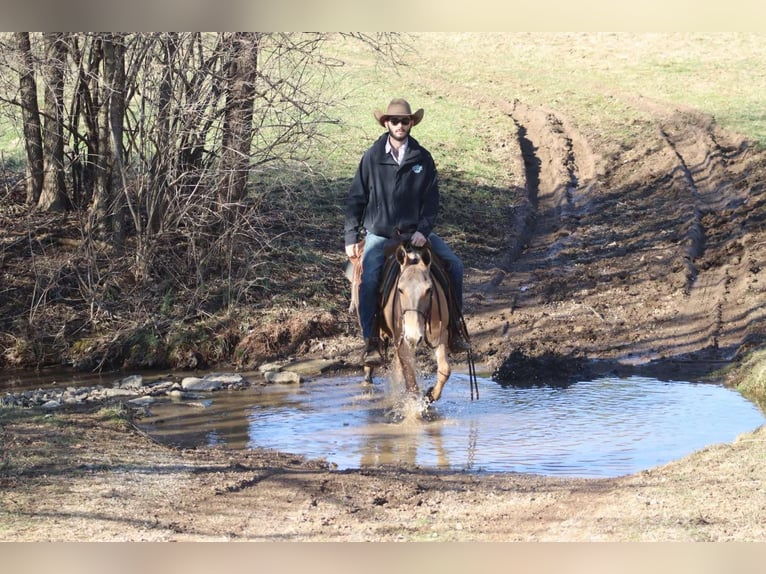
(402, 150)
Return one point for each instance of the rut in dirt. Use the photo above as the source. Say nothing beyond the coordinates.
(706, 176)
(644, 255)
(553, 184)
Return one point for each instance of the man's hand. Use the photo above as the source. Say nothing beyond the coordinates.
(352, 250)
(418, 239)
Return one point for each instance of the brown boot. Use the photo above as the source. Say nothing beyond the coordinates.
(459, 344)
(371, 356)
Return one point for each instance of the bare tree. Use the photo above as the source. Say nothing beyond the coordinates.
(109, 201)
(154, 197)
(240, 71)
(86, 56)
(182, 154)
(30, 114)
(182, 135)
(53, 196)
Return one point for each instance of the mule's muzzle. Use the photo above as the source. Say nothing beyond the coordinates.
(413, 340)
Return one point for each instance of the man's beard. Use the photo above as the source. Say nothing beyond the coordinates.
(397, 137)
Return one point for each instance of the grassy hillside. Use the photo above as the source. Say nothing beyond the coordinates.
(592, 78)
(580, 74)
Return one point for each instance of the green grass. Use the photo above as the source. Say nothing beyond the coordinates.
(575, 73)
(11, 145)
(750, 376)
(116, 415)
(11, 415)
(579, 74)
(593, 79)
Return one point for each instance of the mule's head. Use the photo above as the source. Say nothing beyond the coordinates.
(415, 292)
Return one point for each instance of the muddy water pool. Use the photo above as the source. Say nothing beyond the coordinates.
(598, 428)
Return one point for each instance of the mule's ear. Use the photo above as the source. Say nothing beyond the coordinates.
(401, 255)
(425, 256)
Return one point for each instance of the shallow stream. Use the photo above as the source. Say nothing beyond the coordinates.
(599, 428)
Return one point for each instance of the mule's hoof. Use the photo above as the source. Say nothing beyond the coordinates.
(429, 396)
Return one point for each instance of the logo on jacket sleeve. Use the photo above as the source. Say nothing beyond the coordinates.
(417, 168)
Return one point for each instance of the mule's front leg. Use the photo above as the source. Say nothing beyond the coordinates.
(367, 380)
(443, 372)
(406, 356)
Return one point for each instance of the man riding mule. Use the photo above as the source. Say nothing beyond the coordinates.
(395, 192)
(417, 307)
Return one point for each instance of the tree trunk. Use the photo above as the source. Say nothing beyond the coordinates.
(241, 69)
(30, 113)
(99, 211)
(116, 117)
(87, 55)
(53, 196)
(163, 154)
(109, 201)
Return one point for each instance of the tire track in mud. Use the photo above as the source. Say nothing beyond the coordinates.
(557, 171)
(702, 168)
(702, 172)
(556, 183)
(647, 253)
(540, 282)
(695, 232)
(714, 179)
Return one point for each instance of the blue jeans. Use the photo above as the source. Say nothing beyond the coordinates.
(373, 259)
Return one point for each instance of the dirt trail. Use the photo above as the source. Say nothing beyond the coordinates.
(649, 258)
(719, 265)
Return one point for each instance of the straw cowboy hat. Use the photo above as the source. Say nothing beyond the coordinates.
(398, 108)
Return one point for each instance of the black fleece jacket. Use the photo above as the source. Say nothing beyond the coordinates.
(385, 196)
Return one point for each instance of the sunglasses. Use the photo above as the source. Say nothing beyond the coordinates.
(397, 121)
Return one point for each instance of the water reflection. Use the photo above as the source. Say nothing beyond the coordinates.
(605, 427)
(400, 443)
(219, 418)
